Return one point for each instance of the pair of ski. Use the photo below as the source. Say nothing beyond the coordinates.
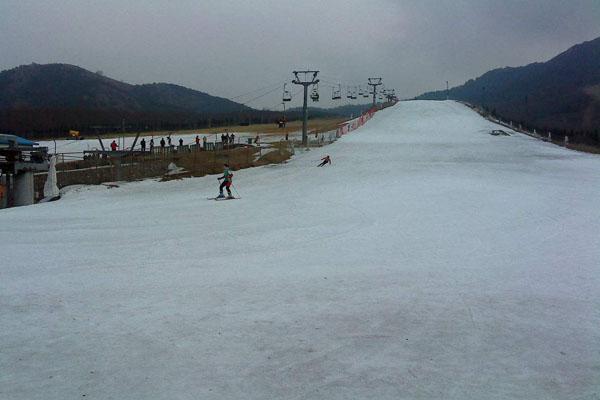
(218, 198)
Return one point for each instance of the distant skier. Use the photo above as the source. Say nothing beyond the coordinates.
(151, 145)
(114, 145)
(227, 176)
(232, 138)
(162, 143)
(169, 140)
(204, 142)
(325, 160)
(197, 140)
(143, 145)
(180, 142)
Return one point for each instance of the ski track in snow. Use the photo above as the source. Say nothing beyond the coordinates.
(431, 260)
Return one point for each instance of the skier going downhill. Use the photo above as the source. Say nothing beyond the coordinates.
(325, 160)
(227, 175)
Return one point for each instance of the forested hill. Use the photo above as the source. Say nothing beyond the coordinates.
(60, 96)
(562, 94)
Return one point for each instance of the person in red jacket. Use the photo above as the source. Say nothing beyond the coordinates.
(114, 146)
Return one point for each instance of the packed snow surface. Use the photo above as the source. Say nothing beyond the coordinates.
(431, 260)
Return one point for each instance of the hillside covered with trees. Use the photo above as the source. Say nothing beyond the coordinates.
(48, 100)
(561, 95)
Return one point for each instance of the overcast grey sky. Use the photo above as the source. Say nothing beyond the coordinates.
(226, 47)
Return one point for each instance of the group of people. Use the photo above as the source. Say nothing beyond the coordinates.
(143, 144)
(197, 140)
(226, 138)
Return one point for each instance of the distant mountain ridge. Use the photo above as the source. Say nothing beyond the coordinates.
(69, 86)
(50, 99)
(562, 93)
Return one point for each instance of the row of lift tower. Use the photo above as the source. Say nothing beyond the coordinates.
(308, 79)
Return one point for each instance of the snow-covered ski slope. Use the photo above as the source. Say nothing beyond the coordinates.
(431, 260)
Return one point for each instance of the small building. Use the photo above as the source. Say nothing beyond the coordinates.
(19, 160)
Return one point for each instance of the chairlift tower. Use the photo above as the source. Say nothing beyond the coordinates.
(375, 82)
(308, 78)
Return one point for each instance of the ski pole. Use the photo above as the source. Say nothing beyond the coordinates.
(236, 192)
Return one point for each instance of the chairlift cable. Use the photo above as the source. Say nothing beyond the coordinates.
(257, 90)
(262, 95)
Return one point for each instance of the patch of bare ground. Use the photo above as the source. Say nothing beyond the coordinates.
(205, 163)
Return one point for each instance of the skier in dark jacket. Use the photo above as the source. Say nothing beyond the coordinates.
(325, 160)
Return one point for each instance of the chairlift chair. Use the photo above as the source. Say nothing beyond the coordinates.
(349, 93)
(314, 95)
(336, 93)
(287, 95)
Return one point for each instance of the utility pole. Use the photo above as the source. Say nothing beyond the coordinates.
(447, 91)
(309, 78)
(284, 117)
(375, 82)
